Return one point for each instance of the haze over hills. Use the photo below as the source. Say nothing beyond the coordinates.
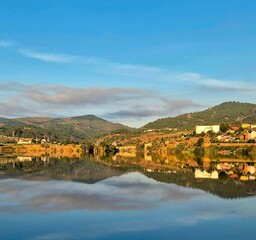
(230, 112)
(75, 128)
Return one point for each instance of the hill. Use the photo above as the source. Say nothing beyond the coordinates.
(59, 129)
(230, 112)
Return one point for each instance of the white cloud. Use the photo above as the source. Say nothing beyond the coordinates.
(63, 96)
(112, 103)
(47, 57)
(117, 103)
(215, 84)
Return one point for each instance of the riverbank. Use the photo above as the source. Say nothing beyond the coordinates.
(55, 150)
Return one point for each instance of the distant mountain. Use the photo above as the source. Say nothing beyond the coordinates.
(75, 128)
(230, 112)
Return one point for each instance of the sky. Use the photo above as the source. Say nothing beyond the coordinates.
(127, 61)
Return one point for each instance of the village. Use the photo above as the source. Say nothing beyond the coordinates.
(158, 141)
(154, 138)
(209, 152)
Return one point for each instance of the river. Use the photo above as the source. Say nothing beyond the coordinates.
(51, 199)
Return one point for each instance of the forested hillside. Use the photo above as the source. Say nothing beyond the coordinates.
(230, 112)
(59, 129)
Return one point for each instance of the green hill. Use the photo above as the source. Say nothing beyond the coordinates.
(59, 129)
(230, 112)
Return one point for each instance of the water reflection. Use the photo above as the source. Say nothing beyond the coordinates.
(130, 206)
(226, 178)
(59, 168)
(86, 198)
(128, 192)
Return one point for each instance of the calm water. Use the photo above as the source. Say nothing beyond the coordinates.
(89, 201)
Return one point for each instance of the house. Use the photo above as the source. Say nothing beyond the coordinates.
(253, 126)
(231, 131)
(147, 145)
(224, 138)
(205, 174)
(234, 128)
(245, 136)
(205, 129)
(149, 130)
(253, 135)
(246, 125)
(248, 135)
(147, 157)
(25, 141)
(24, 159)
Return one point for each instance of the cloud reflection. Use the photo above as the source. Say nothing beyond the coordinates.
(127, 204)
(129, 192)
(54, 236)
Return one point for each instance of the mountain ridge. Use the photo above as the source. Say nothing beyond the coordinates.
(231, 112)
(74, 128)
(78, 128)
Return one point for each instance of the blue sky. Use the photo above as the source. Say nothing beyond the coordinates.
(124, 60)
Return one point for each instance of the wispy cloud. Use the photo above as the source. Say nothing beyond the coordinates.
(5, 44)
(115, 103)
(47, 57)
(138, 71)
(151, 73)
(42, 56)
(216, 84)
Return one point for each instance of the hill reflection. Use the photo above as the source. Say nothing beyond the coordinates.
(223, 179)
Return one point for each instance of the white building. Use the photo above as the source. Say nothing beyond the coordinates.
(253, 126)
(252, 135)
(205, 129)
(25, 141)
(205, 174)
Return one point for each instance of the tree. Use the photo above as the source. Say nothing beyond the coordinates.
(199, 152)
(200, 142)
(224, 127)
(210, 133)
